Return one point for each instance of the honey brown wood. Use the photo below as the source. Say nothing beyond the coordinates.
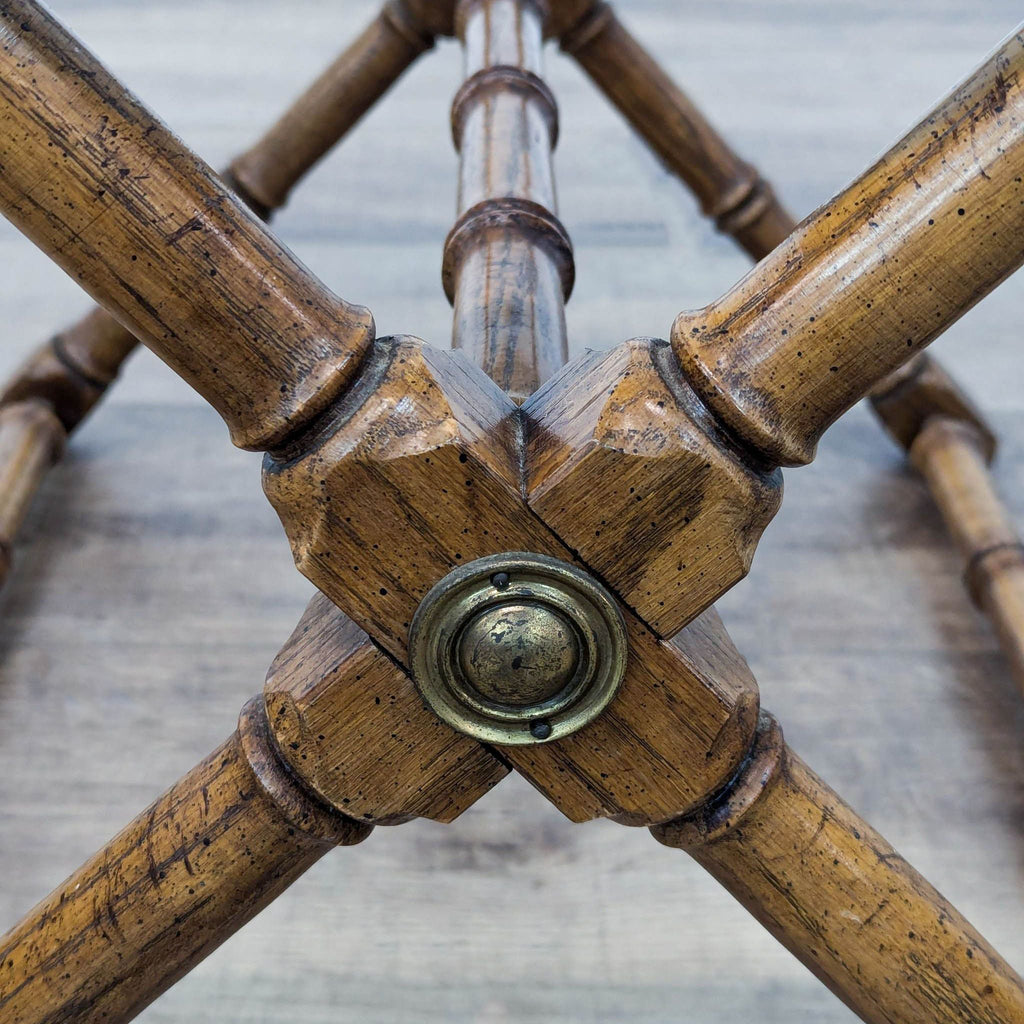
(31, 440)
(907, 399)
(743, 205)
(871, 277)
(508, 263)
(728, 189)
(73, 369)
(952, 456)
(842, 900)
(418, 472)
(152, 234)
(680, 506)
(390, 464)
(187, 873)
(265, 174)
(351, 724)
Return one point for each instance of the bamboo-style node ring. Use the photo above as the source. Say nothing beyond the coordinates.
(518, 648)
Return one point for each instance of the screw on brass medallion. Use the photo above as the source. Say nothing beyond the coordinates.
(518, 648)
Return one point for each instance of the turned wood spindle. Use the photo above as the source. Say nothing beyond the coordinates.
(31, 440)
(265, 174)
(508, 264)
(953, 458)
(728, 189)
(73, 369)
(187, 873)
(841, 899)
(160, 242)
(744, 206)
(871, 277)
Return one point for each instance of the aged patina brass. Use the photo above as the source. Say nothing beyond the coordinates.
(518, 648)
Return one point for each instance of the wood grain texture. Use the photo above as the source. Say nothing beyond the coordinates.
(626, 465)
(189, 871)
(871, 277)
(419, 472)
(842, 900)
(352, 725)
(853, 616)
(508, 264)
(153, 235)
(73, 369)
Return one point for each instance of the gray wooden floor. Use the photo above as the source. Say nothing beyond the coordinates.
(154, 583)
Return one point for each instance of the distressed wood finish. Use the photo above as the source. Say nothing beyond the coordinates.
(187, 873)
(31, 440)
(508, 262)
(152, 234)
(419, 471)
(73, 369)
(419, 467)
(871, 277)
(680, 506)
(351, 724)
(842, 900)
(265, 174)
(952, 456)
(728, 189)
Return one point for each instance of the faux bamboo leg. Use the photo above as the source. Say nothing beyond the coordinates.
(728, 189)
(339, 734)
(187, 873)
(72, 370)
(873, 276)
(152, 234)
(744, 206)
(951, 455)
(31, 440)
(508, 263)
(842, 900)
(265, 174)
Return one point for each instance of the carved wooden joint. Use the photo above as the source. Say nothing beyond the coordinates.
(424, 451)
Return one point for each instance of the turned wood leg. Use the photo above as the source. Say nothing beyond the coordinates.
(841, 899)
(338, 742)
(31, 440)
(72, 371)
(728, 189)
(188, 872)
(950, 454)
(744, 206)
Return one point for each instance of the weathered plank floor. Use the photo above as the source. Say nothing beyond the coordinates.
(154, 584)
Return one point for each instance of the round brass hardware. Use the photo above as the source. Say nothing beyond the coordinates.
(518, 648)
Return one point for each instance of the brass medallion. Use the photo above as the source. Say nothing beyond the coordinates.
(518, 648)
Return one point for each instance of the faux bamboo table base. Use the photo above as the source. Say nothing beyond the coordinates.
(396, 469)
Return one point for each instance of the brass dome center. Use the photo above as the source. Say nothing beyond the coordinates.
(519, 654)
